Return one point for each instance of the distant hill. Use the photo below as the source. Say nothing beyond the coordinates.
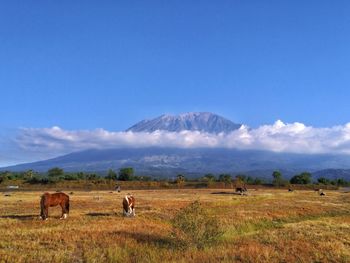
(332, 174)
(192, 121)
(165, 162)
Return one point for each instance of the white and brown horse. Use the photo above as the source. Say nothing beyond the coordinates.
(129, 205)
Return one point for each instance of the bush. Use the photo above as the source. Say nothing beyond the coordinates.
(55, 172)
(34, 180)
(70, 177)
(303, 178)
(112, 175)
(193, 226)
(126, 174)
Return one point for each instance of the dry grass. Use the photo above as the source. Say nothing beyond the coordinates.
(266, 226)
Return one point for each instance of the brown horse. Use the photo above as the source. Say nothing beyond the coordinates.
(129, 205)
(48, 200)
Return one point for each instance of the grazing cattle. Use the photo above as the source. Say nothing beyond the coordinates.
(241, 190)
(322, 193)
(129, 205)
(48, 200)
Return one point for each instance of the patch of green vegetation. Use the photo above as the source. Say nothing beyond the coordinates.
(249, 227)
(193, 226)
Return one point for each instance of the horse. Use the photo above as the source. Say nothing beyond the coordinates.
(129, 205)
(48, 200)
(241, 190)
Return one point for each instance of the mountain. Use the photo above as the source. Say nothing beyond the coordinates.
(166, 162)
(192, 121)
(332, 174)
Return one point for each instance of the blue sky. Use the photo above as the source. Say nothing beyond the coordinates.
(83, 65)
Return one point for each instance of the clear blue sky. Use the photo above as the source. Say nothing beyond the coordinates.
(108, 64)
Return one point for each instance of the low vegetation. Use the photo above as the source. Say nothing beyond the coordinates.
(194, 226)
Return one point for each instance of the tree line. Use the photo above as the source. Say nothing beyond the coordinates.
(57, 174)
(306, 178)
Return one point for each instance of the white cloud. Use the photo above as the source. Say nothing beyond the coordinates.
(280, 137)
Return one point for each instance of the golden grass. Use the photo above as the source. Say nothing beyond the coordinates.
(266, 226)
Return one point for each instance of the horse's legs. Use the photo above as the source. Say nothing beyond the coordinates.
(64, 212)
(42, 209)
(42, 215)
(46, 212)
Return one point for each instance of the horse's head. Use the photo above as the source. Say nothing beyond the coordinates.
(43, 217)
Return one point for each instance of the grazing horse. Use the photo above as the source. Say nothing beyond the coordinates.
(241, 190)
(48, 200)
(129, 205)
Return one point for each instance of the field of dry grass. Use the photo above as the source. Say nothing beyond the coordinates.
(268, 225)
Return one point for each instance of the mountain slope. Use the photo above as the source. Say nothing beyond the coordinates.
(163, 162)
(193, 121)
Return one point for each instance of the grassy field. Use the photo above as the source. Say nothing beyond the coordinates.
(268, 225)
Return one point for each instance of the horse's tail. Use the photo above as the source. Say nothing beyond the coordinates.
(67, 205)
(42, 206)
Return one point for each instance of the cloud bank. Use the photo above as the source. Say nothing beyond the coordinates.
(278, 137)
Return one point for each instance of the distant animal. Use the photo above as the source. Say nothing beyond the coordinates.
(117, 188)
(129, 205)
(12, 187)
(290, 190)
(241, 190)
(49, 200)
(320, 191)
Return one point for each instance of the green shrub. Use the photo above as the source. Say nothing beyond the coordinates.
(193, 226)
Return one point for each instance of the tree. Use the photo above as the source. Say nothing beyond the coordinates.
(303, 178)
(258, 181)
(342, 182)
(126, 174)
(242, 178)
(209, 178)
(55, 172)
(6, 175)
(71, 177)
(226, 178)
(81, 175)
(180, 179)
(277, 178)
(323, 180)
(112, 175)
(92, 176)
(250, 180)
(29, 174)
